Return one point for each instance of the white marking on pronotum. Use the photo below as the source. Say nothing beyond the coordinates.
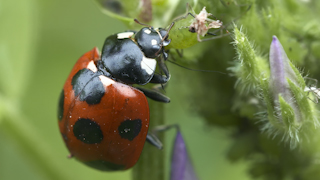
(148, 64)
(147, 31)
(92, 66)
(106, 81)
(124, 35)
(154, 42)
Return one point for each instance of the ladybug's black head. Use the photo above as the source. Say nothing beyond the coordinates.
(151, 41)
(130, 57)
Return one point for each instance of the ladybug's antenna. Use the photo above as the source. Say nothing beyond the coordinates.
(164, 37)
(170, 27)
(137, 21)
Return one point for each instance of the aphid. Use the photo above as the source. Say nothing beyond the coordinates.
(189, 28)
(201, 23)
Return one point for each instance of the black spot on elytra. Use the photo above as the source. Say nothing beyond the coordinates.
(129, 129)
(105, 165)
(87, 131)
(60, 105)
(88, 86)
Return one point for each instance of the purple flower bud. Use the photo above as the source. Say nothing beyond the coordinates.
(181, 167)
(280, 70)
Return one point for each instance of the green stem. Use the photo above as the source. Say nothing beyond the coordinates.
(151, 162)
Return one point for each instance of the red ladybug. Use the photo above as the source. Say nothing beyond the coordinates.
(103, 119)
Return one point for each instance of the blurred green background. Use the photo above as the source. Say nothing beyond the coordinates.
(40, 41)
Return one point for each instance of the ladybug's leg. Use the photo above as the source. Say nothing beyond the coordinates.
(152, 136)
(158, 78)
(154, 140)
(154, 95)
(163, 67)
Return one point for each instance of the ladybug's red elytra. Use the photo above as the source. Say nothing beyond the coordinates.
(102, 118)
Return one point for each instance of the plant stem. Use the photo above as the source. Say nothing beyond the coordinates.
(151, 162)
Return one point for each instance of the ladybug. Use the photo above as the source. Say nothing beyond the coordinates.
(102, 118)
